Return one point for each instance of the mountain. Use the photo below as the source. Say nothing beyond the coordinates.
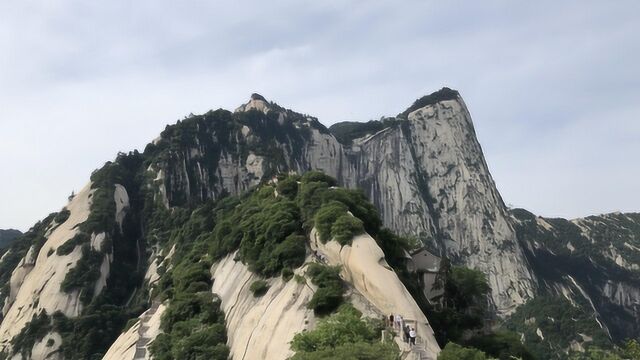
(425, 164)
(593, 263)
(7, 236)
(134, 255)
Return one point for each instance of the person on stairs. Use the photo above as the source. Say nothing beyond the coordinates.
(412, 336)
(399, 321)
(406, 331)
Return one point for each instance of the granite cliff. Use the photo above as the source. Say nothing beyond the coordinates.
(424, 170)
(99, 259)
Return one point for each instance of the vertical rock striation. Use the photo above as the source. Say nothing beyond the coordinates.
(424, 170)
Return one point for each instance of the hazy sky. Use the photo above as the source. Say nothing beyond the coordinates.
(553, 87)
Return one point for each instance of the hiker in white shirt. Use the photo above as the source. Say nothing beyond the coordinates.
(412, 336)
(399, 321)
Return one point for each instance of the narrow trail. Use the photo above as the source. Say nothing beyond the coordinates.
(415, 352)
(141, 344)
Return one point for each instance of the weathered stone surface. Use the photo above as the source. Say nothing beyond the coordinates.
(364, 267)
(426, 174)
(36, 286)
(260, 327)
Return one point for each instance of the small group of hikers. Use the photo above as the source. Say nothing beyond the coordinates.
(409, 333)
(319, 257)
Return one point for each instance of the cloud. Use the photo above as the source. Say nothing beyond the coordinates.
(552, 87)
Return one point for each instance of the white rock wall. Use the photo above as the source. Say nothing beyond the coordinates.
(262, 327)
(470, 213)
(39, 286)
(363, 266)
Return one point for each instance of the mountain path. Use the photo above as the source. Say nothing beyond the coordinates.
(143, 341)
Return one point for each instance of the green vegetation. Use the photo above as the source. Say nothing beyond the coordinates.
(441, 95)
(266, 229)
(333, 221)
(560, 322)
(193, 323)
(62, 216)
(318, 176)
(34, 331)
(588, 254)
(80, 336)
(347, 131)
(330, 288)
(344, 335)
(454, 351)
(259, 288)
(124, 296)
(299, 279)
(605, 232)
(322, 206)
(78, 240)
(19, 249)
(6, 238)
(630, 350)
(287, 274)
(326, 216)
(288, 186)
(269, 232)
(84, 275)
(82, 339)
(345, 228)
(464, 302)
(502, 345)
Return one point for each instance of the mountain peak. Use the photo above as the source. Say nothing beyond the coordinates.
(256, 96)
(441, 95)
(256, 102)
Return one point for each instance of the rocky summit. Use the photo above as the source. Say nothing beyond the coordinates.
(253, 234)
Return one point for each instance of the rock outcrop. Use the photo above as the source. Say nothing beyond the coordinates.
(364, 267)
(35, 283)
(424, 171)
(260, 327)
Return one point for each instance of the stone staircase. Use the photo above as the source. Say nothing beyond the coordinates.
(415, 352)
(420, 350)
(143, 341)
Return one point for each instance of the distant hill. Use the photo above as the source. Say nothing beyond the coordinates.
(7, 236)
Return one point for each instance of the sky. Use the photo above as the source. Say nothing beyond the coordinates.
(553, 87)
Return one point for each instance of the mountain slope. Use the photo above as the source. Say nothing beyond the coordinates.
(7, 236)
(593, 262)
(425, 165)
(104, 258)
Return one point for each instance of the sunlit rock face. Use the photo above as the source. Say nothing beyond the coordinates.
(424, 170)
(428, 178)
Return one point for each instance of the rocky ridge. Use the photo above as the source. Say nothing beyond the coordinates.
(427, 166)
(594, 260)
(423, 169)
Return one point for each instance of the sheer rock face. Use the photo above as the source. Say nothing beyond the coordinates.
(261, 327)
(471, 219)
(35, 283)
(364, 267)
(426, 174)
